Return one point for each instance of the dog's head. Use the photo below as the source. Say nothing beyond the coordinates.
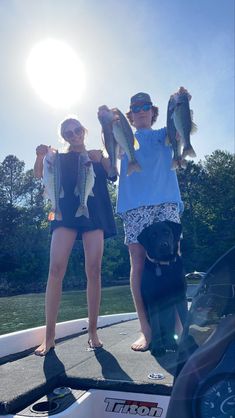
(160, 240)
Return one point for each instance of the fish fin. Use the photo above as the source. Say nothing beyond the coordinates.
(177, 136)
(82, 211)
(58, 215)
(133, 166)
(136, 144)
(61, 192)
(51, 216)
(91, 193)
(188, 151)
(167, 141)
(76, 191)
(193, 125)
(120, 152)
(174, 164)
(183, 163)
(193, 128)
(178, 163)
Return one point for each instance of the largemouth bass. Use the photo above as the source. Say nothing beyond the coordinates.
(118, 135)
(173, 136)
(182, 117)
(125, 138)
(85, 183)
(105, 116)
(52, 182)
(179, 127)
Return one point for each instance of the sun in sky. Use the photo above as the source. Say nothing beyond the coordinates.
(56, 73)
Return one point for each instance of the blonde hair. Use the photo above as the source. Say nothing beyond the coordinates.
(65, 122)
(62, 128)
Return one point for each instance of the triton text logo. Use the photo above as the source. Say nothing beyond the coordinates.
(139, 408)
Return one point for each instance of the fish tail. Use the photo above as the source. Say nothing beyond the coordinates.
(188, 151)
(82, 211)
(174, 164)
(61, 192)
(76, 191)
(113, 173)
(133, 166)
(58, 215)
(167, 140)
(179, 162)
(183, 163)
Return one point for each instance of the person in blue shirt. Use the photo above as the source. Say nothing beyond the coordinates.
(145, 197)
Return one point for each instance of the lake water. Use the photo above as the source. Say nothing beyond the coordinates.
(27, 311)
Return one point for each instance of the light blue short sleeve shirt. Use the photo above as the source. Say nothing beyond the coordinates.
(156, 183)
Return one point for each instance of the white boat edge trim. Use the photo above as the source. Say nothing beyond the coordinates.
(16, 342)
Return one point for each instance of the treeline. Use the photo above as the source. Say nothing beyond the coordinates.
(208, 192)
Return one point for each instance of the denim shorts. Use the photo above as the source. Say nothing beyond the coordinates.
(135, 220)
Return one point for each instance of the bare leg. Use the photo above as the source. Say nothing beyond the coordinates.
(93, 243)
(61, 246)
(137, 258)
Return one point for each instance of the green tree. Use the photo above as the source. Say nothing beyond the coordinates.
(11, 179)
(23, 231)
(208, 220)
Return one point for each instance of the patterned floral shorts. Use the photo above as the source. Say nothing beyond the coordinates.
(135, 220)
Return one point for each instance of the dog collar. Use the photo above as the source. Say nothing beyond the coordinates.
(158, 264)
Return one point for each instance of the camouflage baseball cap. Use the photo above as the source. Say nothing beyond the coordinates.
(140, 97)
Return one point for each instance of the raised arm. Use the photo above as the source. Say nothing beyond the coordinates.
(41, 151)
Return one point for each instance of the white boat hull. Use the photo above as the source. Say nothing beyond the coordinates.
(113, 404)
(92, 402)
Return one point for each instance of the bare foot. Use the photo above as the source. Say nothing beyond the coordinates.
(142, 344)
(44, 348)
(94, 341)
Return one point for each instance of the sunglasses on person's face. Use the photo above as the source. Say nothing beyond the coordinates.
(137, 108)
(70, 134)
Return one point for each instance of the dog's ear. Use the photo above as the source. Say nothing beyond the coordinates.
(176, 229)
(143, 237)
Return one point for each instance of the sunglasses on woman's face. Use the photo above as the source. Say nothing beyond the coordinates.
(138, 108)
(70, 134)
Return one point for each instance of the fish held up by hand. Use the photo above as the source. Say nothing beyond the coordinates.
(53, 189)
(105, 116)
(118, 136)
(85, 184)
(180, 126)
(125, 138)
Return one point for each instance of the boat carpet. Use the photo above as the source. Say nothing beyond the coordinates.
(25, 379)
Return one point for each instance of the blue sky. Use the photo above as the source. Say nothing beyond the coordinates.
(126, 46)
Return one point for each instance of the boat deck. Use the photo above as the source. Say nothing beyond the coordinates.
(25, 377)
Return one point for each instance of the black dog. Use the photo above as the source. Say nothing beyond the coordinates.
(163, 284)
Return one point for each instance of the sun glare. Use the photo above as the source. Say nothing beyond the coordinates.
(56, 73)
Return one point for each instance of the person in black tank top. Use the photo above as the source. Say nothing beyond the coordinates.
(91, 228)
